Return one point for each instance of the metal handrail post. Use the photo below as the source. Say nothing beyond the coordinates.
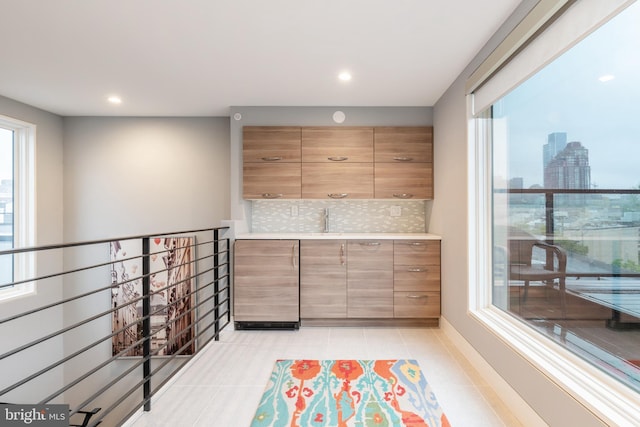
(146, 323)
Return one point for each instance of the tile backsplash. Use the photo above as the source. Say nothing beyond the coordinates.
(345, 216)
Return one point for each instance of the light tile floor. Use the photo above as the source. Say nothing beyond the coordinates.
(223, 384)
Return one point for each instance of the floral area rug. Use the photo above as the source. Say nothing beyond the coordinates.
(348, 393)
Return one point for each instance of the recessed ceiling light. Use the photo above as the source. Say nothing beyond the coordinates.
(345, 76)
(606, 78)
(114, 99)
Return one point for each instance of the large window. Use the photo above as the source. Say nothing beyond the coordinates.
(562, 187)
(17, 206)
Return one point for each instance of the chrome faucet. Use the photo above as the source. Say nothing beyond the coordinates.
(327, 220)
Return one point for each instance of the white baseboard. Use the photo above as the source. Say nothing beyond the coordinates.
(516, 404)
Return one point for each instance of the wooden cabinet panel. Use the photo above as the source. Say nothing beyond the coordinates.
(340, 180)
(266, 281)
(271, 181)
(416, 252)
(416, 304)
(271, 144)
(403, 181)
(370, 279)
(403, 144)
(337, 144)
(416, 278)
(323, 279)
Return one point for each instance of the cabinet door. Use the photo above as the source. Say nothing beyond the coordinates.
(323, 279)
(337, 180)
(404, 181)
(403, 144)
(370, 279)
(271, 181)
(337, 144)
(271, 144)
(266, 284)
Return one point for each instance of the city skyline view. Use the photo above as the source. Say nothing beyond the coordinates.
(591, 98)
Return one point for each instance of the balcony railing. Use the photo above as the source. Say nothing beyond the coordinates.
(111, 321)
(599, 228)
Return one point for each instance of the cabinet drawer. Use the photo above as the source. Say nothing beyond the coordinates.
(337, 144)
(271, 181)
(416, 252)
(337, 180)
(416, 304)
(403, 144)
(271, 144)
(404, 181)
(416, 278)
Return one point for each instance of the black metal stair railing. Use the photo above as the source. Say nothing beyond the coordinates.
(107, 329)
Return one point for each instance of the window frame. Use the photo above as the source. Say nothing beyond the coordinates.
(24, 206)
(607, 398)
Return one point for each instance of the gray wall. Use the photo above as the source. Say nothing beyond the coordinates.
(144, 175)
(132, 176)
(49, 220)
(449, 219)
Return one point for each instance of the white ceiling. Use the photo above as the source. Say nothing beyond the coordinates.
(199, 57)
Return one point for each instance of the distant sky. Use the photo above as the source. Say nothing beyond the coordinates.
(567, 96)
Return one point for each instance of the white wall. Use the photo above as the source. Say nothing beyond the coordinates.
(449, 219)
(49, 194)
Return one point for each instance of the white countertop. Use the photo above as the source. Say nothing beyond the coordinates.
(319, 236)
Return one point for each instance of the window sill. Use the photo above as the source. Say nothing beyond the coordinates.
(608, 399)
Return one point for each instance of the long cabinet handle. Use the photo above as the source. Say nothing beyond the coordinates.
(403, 159)
(417, 270)
(370, 243)
(342, 254)
(418, 296)
(272, 158)
(402, 195)
(338, 195)
(271, 195)
(293, 256)
(338, 158)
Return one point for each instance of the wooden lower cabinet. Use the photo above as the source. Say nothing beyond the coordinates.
(416, 279)
(370, 279)
(323, 279)
(266, 281)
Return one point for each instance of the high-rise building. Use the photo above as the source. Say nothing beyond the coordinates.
(569, 169)
(556, 142)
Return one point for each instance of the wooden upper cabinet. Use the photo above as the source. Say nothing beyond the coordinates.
(404, 181)
(403, 144)
(271, 162)
(337, 144)
(274, 144)
(337, 180)
(271, 181)
(403, 162)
